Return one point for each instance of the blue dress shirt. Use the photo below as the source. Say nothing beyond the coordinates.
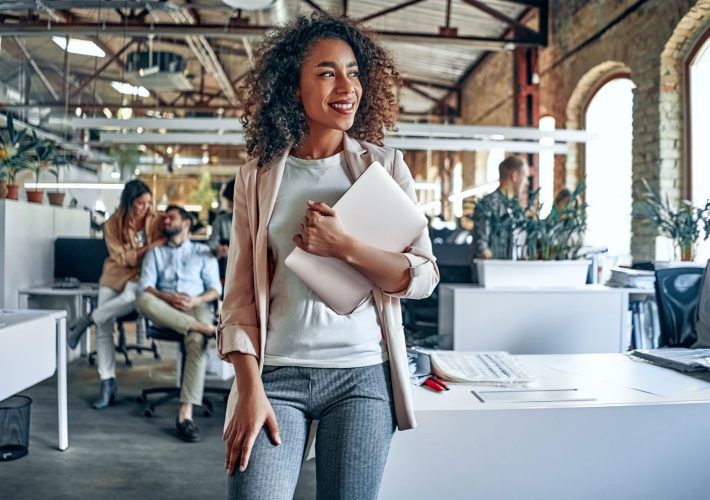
(189, 268)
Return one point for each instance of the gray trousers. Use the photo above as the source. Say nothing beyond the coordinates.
(163, 314)
(356, 422)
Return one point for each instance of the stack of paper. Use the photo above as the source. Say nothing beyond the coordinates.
(631, 278)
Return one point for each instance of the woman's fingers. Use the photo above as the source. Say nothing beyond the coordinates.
(273, 426)
(233, 449)
(245, 449)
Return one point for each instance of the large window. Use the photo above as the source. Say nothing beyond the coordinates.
(699, 104)
(608, 168)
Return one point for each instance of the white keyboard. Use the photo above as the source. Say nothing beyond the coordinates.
(494, 368)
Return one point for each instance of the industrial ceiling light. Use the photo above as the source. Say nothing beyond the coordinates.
(128, 89)
(78, 46)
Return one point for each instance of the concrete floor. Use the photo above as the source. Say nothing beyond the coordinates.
(118, 453)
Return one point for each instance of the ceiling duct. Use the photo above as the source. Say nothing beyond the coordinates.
(156, 70)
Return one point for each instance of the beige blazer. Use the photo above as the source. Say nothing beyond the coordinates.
(123, 263)
(245, 310)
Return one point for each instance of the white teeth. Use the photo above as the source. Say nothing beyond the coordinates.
(342, 106)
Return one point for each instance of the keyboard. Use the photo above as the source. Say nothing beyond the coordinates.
(487, 368)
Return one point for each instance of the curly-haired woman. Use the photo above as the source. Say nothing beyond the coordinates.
(297, 361)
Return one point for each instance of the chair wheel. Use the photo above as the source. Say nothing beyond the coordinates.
(140, 400)
(156, 355)
(92, 362)
(129, 363)
(148, 412)
(207, 413)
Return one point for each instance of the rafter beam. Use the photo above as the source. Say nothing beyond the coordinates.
(516, 25)
(389, 10)
(239, 32)
(137, 106)
(427, 83)
(316, 6)
(103, 67)
(34, 65)
(421, 92)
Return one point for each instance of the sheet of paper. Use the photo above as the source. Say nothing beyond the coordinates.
(625, 372)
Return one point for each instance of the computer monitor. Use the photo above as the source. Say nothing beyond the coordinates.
(79, 258)
(454, 262)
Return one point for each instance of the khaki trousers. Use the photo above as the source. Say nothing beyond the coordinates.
(163, 314)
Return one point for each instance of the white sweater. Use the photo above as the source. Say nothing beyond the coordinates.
(302, 329)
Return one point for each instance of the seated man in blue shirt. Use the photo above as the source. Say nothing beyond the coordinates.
(179, 280)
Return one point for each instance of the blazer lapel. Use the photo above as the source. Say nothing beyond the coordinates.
(356, 157)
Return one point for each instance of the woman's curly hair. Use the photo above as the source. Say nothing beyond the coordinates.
(273, 116)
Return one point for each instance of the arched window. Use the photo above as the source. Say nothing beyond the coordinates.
(608, 168)
(699, 120)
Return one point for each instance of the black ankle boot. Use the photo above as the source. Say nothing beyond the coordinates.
(107, 395)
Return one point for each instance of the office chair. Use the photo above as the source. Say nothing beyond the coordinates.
(421, 317)
(123, 347)
(169, 393)
(677, 291)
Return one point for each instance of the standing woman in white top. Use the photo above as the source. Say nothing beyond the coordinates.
(297, 361)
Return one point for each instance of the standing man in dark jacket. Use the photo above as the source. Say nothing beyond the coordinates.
(491, 212)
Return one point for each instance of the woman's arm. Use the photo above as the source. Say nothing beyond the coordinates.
(238, 326)
(253, 411)
(322, 233)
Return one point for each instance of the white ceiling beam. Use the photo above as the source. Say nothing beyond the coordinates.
(197, 124)
(171, 138)
(439, 144)
(405, 130)
(478, 131)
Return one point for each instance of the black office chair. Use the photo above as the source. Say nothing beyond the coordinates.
(677, 291)
(170, 393)
(123, 347)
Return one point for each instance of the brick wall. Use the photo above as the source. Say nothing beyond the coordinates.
(586, 47)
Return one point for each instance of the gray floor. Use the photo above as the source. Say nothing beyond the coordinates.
(118, 453)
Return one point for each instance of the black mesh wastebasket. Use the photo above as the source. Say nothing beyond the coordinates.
(14, 427)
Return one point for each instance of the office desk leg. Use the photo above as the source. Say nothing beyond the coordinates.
(62, 384)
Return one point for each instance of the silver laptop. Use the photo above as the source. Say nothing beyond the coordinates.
(375, 210)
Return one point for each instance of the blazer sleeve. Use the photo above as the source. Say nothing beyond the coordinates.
(238, 329)
(423, 272)
(119, 252)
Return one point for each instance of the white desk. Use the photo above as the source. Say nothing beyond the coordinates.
(32, 348)
(76, 301)
(644, 436)
(587, 319)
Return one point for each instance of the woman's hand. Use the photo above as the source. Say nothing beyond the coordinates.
(253, 411)
(322, 232)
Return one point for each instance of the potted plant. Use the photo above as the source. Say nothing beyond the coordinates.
(43, 150)
(684, 225)
(12, 154)
(56, 198)
(545, 248)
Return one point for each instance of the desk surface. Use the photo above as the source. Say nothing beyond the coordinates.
(13, 317)
(642, 437)
(601, 379)
(472, 288)
(87, 291)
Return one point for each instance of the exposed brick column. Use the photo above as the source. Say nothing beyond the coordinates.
(526, 98)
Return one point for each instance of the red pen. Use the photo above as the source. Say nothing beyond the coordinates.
(440, 382)
(433, 385)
